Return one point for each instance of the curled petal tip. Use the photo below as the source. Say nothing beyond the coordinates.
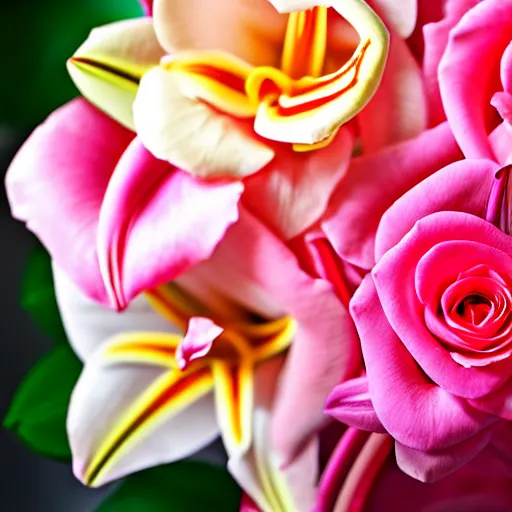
(198, 341)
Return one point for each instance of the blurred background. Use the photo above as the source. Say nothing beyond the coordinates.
(36, 39)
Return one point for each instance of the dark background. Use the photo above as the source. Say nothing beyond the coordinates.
(28, 482)
(36, 37)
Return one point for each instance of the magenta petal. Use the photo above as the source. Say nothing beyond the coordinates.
(198, 340)
(394, 277)
(152, 209)
(56, 184)
(147, 6)
(374, 182)
(498, 403)
(462, 186)
(468, 74)
(430, 467)
(350, 403)
(416, 412)
(501, 142)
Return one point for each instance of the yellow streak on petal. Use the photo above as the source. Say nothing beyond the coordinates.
(151, 348)
(305, 43)
(277, 343)
(108, 66)
(167, 396)
(234, 398)
(304, 148)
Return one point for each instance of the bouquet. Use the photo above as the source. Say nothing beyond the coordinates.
(285, 223)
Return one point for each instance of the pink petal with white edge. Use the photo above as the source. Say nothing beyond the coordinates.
(468, 77)
(89, 324)
(198, 340)
(373, 183)
(416, 412)
(56, 184)
(152, 209)
(400, 97)
(430, 467)
(350, 403)
(292, 192)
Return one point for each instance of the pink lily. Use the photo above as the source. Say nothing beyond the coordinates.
(266, 281)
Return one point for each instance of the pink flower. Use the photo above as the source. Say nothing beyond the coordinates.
(114, 218)
(362, 476)
(475, 80)
(435, 324)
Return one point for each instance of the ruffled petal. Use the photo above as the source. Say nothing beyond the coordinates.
(373, 183)
(89, 325)
(107, 68)
(56, 184)
(151, 209)
(133, 409)
(416, 412)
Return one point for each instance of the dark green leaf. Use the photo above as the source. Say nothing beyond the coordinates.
(185, 486)
(38, 411)
(37, 38)
(38, 295)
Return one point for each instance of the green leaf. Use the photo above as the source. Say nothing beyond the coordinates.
(38, 411)
(38, 295)
(37, 38)
(185, 486)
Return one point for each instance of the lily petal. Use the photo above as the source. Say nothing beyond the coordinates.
(401, 16)
(257, 470)
(89, 325)
(108, 67)
(312, 110)
(293, 191)
(150, 208)
(216, 145)
(198, 341)
(56, 184)
(132, 408)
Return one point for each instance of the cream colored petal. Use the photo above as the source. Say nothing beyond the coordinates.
(249, 29)
(401, 15)
(89, 324)
(106, 395)
(191, 135)
(108, 66)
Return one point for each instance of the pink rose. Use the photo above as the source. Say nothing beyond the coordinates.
(435, 322)
(475, 79)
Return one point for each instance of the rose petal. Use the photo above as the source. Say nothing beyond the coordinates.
(373, 183)
(430, 467)
(394, 277)
(350, 403)
(462, 186)
(401, 16)
(414, 411)
(466, 76)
